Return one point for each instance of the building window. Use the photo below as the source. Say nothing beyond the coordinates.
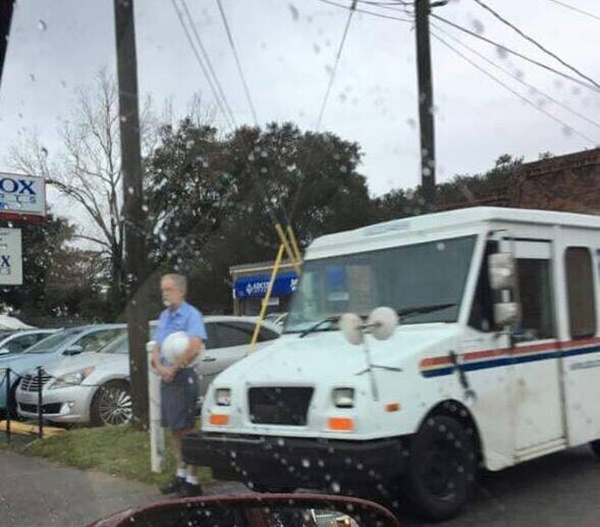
(580, 292)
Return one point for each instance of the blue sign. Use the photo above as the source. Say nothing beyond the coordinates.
(256, 286)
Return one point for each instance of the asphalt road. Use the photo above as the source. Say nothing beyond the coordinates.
(556, 491)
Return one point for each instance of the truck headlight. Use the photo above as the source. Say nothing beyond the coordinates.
(72, 379)
(223, 397)
(343, 397)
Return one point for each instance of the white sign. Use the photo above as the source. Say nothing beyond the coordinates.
(21, 194)
(11, 257)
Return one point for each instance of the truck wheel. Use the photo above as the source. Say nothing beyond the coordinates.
(111, 404)
(442, 468)
(595, 446)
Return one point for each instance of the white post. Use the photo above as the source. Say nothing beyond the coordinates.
(157, 436)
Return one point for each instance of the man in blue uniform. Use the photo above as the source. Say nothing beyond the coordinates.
(179, 382)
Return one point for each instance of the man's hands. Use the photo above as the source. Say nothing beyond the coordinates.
(168, 373)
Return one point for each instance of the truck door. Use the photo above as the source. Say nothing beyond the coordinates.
(536, 364)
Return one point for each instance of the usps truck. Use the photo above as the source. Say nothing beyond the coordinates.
(415, 352)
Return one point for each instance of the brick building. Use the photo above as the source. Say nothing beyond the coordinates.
(566, 183)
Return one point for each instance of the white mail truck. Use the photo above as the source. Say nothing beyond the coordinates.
(415, 352)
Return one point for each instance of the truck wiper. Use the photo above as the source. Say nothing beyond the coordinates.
(408, 311)
(316, 326)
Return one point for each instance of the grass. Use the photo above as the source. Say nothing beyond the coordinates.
(120, 451)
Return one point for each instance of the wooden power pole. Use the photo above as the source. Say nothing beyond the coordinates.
(135, 246)
(426, 117)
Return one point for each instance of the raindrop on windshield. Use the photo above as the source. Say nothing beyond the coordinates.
(42, 26)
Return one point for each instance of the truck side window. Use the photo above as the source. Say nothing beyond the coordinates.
(482, 313)
(535, 287)
(580, 292)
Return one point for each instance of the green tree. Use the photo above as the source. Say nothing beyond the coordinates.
(213, 200)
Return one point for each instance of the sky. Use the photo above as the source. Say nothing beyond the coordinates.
(287, 49)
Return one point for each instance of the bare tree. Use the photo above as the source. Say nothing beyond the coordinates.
(88, 169)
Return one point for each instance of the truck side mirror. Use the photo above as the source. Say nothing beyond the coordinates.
(502, 269)
(507, 313)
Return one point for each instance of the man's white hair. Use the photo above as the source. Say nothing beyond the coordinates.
(179, 280)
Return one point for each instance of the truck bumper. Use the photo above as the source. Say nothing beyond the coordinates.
(290, 463)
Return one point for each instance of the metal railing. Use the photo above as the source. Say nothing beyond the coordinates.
(39, 377)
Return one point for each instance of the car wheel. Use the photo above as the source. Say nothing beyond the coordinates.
(595, 446)
(442, 468)
(112, 404)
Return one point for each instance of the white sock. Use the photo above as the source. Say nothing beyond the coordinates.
(182, 473)
(192, 480)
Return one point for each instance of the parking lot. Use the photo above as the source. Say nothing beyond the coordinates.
(559, 490)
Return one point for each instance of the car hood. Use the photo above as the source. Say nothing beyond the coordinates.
(329, 357)
(65, 365)
(26, 361)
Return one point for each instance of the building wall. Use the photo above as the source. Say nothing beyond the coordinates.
(566, 183)
(569, 183)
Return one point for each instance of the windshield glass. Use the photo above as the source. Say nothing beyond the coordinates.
(414, 276)
(121, 344)
(52, 343)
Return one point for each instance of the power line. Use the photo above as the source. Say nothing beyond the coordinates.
(207, 59)
(515, 53)
(514, 92)
(535, 42)
(365, 11)
(576, 9)
(335, 65)
(518, 78)
(237, 60)
(220, 104)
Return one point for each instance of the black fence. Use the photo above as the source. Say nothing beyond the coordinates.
(11, 403)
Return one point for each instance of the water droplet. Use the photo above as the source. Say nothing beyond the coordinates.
(305, 463)
(335, 487)
(42, 26)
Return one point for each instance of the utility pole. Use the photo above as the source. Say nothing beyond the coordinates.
(426, 118)
(6, 14)
(135, 246)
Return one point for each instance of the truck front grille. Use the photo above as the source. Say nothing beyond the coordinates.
(279, 406)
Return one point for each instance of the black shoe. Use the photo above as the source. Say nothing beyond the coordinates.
(188, 490)
(173, 486)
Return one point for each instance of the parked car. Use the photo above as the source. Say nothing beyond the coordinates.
(12, 342)
(94, 387)
(65, 343)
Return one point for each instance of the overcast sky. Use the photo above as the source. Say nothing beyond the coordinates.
(286, 48)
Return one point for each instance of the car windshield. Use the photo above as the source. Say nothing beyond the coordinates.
(414, 277)
(54, 342)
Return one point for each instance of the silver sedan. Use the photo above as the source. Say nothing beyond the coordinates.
(94, 387)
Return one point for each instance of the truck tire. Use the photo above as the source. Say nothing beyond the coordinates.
(442, 468)
(111, 404)
(595, 446)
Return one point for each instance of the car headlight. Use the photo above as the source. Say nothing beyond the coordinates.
(223, 397)
(343, 397)
(72, 379)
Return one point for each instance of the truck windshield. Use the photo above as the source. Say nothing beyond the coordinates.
(410, 279)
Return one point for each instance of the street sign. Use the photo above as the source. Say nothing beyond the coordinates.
(11, 257)
(22, 195)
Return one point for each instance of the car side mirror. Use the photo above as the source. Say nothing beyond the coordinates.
(259, 510)
(502, 269)
(76, 349)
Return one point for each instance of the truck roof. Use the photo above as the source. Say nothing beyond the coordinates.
(450, 220)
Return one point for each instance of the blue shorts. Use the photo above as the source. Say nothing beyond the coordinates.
(179, 400)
